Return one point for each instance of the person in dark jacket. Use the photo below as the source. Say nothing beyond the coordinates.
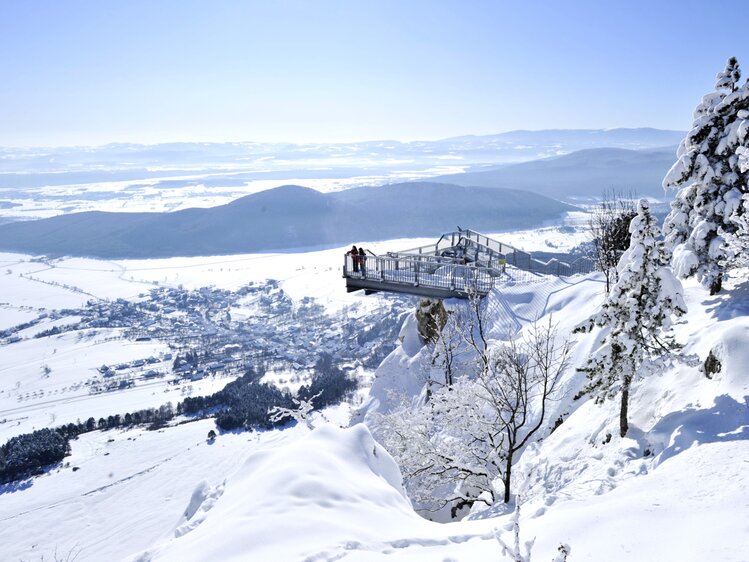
(362, 260)
(354, 253)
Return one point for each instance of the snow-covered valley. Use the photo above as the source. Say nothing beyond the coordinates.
(675, 488)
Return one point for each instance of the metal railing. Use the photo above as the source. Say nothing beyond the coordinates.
(460, 262)
(482, 250)
(407, 270)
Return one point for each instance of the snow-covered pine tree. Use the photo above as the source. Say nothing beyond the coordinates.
(729, 78)
(702, 223)
(638, 313)
(739, 243)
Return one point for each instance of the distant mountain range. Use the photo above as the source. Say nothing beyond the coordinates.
(582, 174)
(643, 137)
(186, 157)
(488, 197)
(282, 218)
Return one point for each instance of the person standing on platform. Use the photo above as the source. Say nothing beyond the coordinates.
(354, 253)
(362, 261)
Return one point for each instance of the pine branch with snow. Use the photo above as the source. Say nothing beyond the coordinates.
(738, 245)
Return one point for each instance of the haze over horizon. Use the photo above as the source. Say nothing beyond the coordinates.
(332, 143)
(82, 74)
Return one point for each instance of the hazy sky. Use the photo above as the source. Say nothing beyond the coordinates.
(85, 72)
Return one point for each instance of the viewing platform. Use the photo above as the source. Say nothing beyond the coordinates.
(458, 265)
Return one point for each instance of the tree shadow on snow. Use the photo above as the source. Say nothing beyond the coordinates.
(16, 486)
(730, 304)
(726, 420)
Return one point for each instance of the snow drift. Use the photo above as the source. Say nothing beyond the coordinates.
(290, 503)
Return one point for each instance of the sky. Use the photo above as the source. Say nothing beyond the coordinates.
(148, 71)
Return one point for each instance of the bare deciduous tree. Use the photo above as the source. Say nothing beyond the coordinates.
(302, 412)
(446, 348)
(473, 323)
(608, 227)
(452, 449)
(521, 378)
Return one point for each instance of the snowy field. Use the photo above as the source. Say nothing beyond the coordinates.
(243, 496)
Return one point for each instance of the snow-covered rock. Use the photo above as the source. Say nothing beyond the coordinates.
(400, 376)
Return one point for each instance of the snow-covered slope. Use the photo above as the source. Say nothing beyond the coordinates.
(676, 488)
(670, 411)
(322, 494)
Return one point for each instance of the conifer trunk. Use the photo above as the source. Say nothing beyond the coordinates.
(623, 424)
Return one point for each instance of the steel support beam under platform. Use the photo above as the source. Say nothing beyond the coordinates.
(370, 286)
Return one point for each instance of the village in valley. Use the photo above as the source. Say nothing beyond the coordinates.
(210, 335)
